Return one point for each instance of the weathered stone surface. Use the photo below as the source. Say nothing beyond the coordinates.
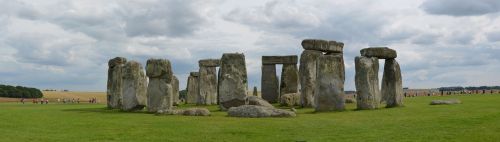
(114, 86)
(253, 100)
(117, 61)
(290, 99)
(366, 80)
(290, 59)
(160, 89)
(392, 84)
(192, 89)
(307, 71)
(159, 68)
(209, 62)
(175, 91)
(134, 87)
(379, 52)
(195, 74)
(269, 84)
(322, 45)
(254, 111)
(207, 86)
(350, 100)
(255, 93)
(233, 85)
(187, 112)
(330, 77)
(445, 102)
(289, 79)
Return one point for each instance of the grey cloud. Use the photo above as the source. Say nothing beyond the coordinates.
(461, 7)
(163, 18)
(493, 36)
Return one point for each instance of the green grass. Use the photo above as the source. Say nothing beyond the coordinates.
(477, 119)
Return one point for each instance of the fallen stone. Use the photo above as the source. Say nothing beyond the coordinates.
(290, 59)
(322, 45)
(233, 87)
(254, 111)
(269, 83)
(187, 112)
(114, 86)
(379, 52)
(366, 80)
(392, 84)
(209, 62)
(134, 87)
(253, 100)
(350, 100)
(307, 71)
(445, 102)
(330, 77)
(290, 99)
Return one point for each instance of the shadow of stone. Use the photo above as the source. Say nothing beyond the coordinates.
(103, 110)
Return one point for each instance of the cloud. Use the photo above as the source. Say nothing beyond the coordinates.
(461, 7)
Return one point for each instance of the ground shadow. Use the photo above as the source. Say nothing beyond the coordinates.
(102, 110)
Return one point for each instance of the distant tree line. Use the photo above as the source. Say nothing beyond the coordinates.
(19, 92)
(460, 88)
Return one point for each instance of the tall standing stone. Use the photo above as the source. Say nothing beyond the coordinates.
(255, 93)
(160, 90)
(233, 87)
(134, 87)
(366, 80)
(392, 84)
(207, 84)
(289, 79)
(269, 83)
(329, 94)
(175, 91)
(192, 88)
(307, 71)
(114, 86)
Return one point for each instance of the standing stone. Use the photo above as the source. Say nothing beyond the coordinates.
(134, 87)
(192, 88)
(175, 91)
(307, 71)
(233, 86)
(269, 83)
(366, 80)
(289, 79)
(207, 82)
(114, 87)
(392, 84)
(255, 93)
(329, 94)
(160, 89)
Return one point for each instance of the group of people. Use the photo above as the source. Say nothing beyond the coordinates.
(36, 101)
(64, 100)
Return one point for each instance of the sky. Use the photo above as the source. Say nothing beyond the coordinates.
(66, 44)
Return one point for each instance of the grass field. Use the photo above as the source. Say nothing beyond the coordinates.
(477, 119)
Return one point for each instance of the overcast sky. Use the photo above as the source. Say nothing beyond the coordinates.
(66, 44)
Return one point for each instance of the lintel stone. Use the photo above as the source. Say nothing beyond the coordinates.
(269, 60)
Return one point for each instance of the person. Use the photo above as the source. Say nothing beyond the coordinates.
(58, 100)
(78, 100)
(22, 100)
(46, 101)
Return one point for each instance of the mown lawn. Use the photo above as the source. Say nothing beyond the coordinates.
(477, 119)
